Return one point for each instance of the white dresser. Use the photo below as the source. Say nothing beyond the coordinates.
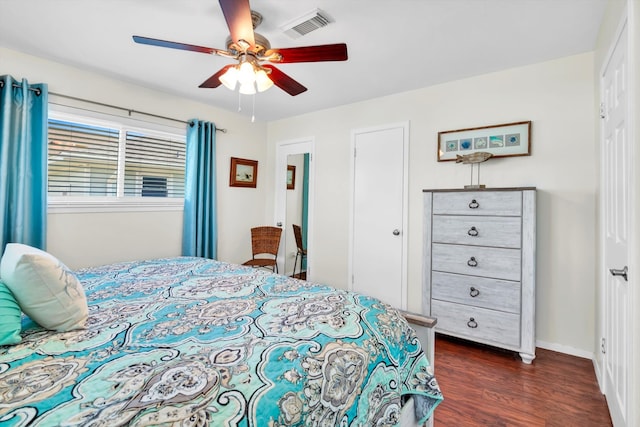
(479, 265)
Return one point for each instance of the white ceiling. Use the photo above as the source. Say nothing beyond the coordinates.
(393, 45)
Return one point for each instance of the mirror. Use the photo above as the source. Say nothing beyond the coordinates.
(296, 212)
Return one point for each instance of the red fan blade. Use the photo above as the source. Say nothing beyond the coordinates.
(285, 82)
(237, 13)
(327, 52)
(214, 81)
(174, 45)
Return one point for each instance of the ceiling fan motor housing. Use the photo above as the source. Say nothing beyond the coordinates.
(262, 45)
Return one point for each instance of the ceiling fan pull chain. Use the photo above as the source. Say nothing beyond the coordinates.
(239, 101)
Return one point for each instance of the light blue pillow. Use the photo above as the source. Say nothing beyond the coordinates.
(46, 290)
(10, 317)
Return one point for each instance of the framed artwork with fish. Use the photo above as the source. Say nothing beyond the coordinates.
(506, 140)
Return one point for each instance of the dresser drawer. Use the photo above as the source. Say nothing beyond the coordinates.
(503, 232)
(475, 323)
(497, 263)
(494, 294)
(501, 203)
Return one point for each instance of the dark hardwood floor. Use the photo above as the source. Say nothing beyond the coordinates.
(485, 386)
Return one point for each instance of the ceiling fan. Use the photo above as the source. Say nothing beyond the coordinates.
(254, 69)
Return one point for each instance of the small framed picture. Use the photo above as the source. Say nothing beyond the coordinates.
(291, 177)
(510, 139)
(244, 173)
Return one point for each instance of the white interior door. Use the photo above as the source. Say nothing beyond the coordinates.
(378, 241)
(616, 190)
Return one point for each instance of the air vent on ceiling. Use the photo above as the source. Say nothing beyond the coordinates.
(306, 23)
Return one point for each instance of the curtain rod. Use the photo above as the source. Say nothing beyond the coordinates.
(129, 110)
(36, 90)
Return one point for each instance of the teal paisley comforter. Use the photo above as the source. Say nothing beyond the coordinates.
(193, 342)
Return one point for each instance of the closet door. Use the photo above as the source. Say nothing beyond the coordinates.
(617, 185)
(378, 265)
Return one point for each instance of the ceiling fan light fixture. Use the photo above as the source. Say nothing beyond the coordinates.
(263, 82)
(248, 77)
(230, 78)
(247, 88)
(247, 73)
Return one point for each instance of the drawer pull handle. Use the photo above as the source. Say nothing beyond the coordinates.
(474, 204)
(473, 232)
(472, 323)
(472, 262)
(474, 292)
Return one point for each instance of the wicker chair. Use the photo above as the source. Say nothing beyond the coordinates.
(265, 240)
(302, 252)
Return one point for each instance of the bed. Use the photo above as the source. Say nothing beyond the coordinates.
(190, 342)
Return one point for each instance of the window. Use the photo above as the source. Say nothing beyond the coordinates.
(89, 158)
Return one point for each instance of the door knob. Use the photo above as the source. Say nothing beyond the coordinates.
(620, 272)
(278, 224)
(396, 232)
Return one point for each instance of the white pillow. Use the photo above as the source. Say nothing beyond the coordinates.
(46, 290)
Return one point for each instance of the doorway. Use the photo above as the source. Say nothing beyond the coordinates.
(378, 240)
(294, 201)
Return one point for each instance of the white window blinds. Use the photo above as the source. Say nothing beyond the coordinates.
(93, 160)
(154, 166)
(83, 159)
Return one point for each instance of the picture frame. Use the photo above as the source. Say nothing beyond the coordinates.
(291, 177)
(243, 173)
(505, 140)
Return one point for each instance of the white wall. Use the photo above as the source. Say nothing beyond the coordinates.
(558, 97)
(88, 239)
(97, 238)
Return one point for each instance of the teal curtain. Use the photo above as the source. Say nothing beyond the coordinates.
(200, 233)
(23, 163)
(305, 205)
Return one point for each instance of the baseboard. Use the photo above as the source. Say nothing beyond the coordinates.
(597, 367)
(565, 349)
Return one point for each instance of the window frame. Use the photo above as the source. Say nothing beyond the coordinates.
(119, 203)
